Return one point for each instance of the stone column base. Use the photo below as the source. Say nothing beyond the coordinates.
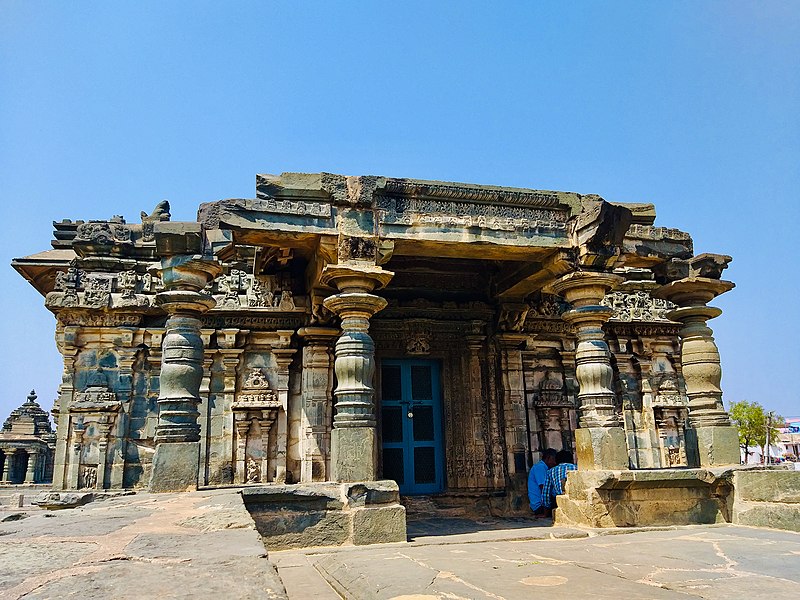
(601, 448)
(353, 454)
(175, 467)
(712, 446)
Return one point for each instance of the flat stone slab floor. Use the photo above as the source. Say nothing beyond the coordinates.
(714, 562)
(191, 545)
(203, 545)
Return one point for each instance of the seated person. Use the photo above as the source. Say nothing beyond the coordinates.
(556, 478)
(536, 479)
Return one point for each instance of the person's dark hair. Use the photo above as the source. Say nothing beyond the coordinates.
(549, 452)
(564, 456)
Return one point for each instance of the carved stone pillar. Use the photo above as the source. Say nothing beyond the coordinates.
(177, 457)
(600, 438)
(317, 405)
(711, 440)
(61, 415)
(104, 428)
(9, 452)
(354, 437)
(126, 357)
(283, 358)
(33, 461)
(73, 473)
(242, 424)
(511, 376)
(222, 423)
(481, 407)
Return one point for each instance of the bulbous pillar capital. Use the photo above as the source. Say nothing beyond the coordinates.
(585, 288)
(350, 278)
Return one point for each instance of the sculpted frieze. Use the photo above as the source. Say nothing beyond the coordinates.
(428, 189)
(104, 232)
(288, 207)
(94, 319)
(637, 306)
(443, 213)
(127, 289)
(258, 322)
(548, 306)
(240, 291)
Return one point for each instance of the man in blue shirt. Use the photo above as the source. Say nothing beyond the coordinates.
(554, 484)
(536, 480)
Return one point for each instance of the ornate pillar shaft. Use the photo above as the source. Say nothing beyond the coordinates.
(33, 461)
(283, 358)
(317, 403)
(102, 462)
(222, 423)
(600, 439)
(511, 376)
(711, 440)
(9, 460)
(354, 438)
(176, 462)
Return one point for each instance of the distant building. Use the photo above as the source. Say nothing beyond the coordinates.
(27, 445)
(790, 438)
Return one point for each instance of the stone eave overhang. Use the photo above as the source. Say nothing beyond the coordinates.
(39, 269)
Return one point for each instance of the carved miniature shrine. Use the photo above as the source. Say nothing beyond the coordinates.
(343, 329)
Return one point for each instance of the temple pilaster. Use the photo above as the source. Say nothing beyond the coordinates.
(9, 460)
(177, 456)
(511, 375)
(711, 439)
(317, 406)
(354, 436)
(600, 438)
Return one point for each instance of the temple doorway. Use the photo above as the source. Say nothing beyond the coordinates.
(411, 425)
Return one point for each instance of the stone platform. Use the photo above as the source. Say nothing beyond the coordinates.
(742, 495)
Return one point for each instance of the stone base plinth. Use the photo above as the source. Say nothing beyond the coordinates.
(645, 498)
(601, 448)
(327, 514)
(768, 498)
(714, 446)
(353, 454)
(175, 467)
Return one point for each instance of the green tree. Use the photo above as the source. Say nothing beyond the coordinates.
(751, 420)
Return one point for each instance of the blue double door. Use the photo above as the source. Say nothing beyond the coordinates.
(411, 425)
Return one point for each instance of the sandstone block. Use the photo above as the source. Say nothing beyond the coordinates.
(175, 467)
(58, 500)
(767, 486)
(379, 525)
(767, 514)
(601, 448)
(353, 454)
(373, 492)
(713, 446)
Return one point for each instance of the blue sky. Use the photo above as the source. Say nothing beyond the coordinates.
(107, 108)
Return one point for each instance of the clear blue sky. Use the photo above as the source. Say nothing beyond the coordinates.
(108, 107)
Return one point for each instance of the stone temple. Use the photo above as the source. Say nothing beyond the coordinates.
(355, 329)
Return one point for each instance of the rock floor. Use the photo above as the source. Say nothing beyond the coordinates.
(203, 545)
